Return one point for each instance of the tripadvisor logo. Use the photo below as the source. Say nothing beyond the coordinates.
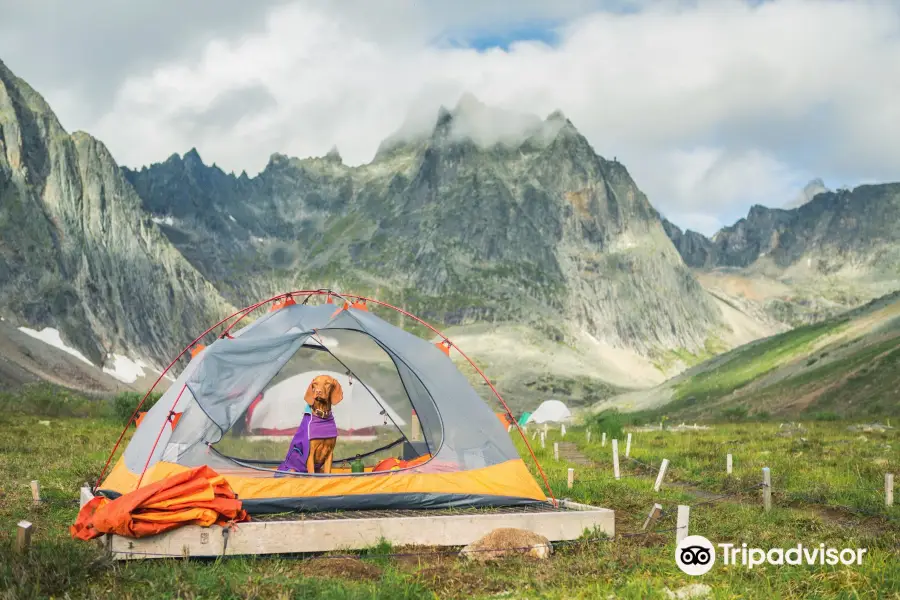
(695, 555)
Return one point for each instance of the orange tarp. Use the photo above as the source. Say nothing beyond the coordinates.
(198, 496)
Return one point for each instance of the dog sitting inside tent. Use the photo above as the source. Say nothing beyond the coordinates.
(312, 448)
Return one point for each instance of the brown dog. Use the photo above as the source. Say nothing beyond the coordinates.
(322, 394)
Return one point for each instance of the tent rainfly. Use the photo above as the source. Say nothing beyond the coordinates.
(404, 385)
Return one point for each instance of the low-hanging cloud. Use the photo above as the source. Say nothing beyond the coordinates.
(712, 105)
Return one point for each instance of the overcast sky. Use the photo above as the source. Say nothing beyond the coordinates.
(712, 105)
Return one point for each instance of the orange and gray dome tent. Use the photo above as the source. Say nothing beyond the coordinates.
(458, 452)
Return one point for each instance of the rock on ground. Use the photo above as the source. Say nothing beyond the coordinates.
(694, 590)
(508, 541)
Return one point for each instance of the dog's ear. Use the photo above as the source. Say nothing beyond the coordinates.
(337, 393)
(310, 396)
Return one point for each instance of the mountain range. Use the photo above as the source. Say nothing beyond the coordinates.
(835, 251)
(530, 246)
(537, 229)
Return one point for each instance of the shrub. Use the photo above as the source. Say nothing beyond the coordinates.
(826, 416)
(123, 405)
(609, 421)
(735, 413)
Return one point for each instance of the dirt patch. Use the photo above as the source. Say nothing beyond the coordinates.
(415, 558)
(352, 569)
(448, 580)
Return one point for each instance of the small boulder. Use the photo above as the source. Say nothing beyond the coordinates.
(508, 541)
(694, 590)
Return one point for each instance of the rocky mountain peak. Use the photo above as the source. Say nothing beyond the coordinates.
(192, 158)
(77, 251)
(854, 230)
(334, 156)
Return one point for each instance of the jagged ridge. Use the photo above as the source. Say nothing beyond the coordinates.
(77, 252)
(524, 224)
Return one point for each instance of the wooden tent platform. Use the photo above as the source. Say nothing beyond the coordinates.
(353, 530)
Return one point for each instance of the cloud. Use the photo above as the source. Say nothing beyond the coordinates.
(79, 53)
(713, 105)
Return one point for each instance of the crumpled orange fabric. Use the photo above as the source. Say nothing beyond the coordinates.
(196, 497)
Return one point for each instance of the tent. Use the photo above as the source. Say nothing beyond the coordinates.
(453, 450)
(551, 411)
(279, 410)
(523, 420)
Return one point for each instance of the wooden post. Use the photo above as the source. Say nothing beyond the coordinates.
(545, 429)
(889, 489)
(662, 473)
(23, 538)
(416, 433)
(767, 489)
(684, 514)
(603, 440)
(562, 430)
(588, 436)
(35, 493)
(508, 428)
(655, 513)
(533, 433)
(615, 449)
(628, 446)
(571, 479)
(555, 450)
(728, 464)
(543, 439)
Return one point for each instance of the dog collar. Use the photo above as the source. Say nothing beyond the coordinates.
(321, 413)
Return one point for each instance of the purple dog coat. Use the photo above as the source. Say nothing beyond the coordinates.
(311, 428)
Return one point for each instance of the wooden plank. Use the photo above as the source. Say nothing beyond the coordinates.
(279, 537)
(35, 493)
(571, 477)
(888, 489)
(729, 464)
(628, 446)
(767, 489)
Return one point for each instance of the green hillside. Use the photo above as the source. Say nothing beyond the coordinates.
(846, 366)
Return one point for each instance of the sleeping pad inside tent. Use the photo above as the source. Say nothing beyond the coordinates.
(412, 431)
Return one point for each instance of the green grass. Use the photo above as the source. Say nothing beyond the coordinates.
(754, 361)
(819, 462)
(832, 465)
